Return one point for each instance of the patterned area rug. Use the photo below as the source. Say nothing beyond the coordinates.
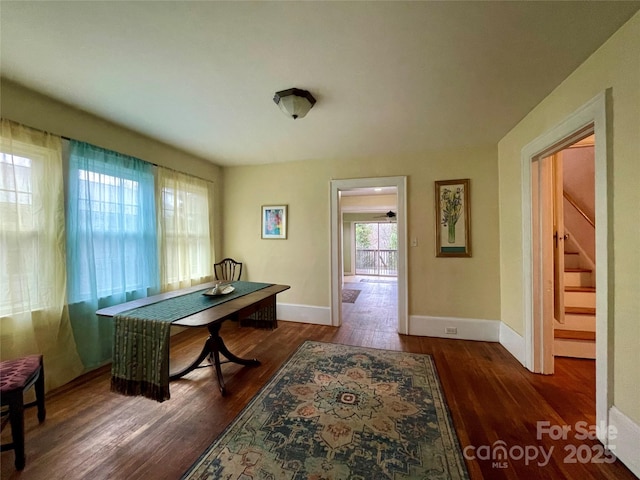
(349, 296)
(336, 412)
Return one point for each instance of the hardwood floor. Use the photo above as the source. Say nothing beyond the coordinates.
(91, 433)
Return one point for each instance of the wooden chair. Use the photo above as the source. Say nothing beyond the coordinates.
(16, 377)
(228, 270)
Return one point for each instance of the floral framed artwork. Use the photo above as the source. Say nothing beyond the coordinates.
(453, 218)
(274, 221)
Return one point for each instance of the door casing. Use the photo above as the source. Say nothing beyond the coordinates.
(596, 115)
(336, 187)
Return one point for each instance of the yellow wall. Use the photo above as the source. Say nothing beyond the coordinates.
(43, 113)
(617, 65)
(452, 287)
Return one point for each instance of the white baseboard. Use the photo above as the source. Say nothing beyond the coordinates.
(467, 328)
(303, 314)
(627, 441)
(513, 342)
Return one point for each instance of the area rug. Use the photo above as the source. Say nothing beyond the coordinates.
(336, 412)
(349, 296)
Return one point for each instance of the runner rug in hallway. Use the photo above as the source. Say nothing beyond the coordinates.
(339, 412)
(349, 295)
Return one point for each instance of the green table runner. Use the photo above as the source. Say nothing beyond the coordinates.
(141, 340)
(173, 309)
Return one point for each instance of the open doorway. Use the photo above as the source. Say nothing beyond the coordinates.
(537, 240)
(370, 251)
(563, 226)
(343, 255)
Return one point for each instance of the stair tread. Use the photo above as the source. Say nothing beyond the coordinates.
(571, 253)
(580, 310)
(577, 270)
(574, 334)
(576, 288)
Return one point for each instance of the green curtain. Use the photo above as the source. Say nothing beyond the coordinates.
(111, 241)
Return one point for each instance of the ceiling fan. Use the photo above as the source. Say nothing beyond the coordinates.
(390, 215)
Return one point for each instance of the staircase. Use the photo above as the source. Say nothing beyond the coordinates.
(576, 337)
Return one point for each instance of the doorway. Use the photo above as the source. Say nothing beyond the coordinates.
(563, 227)
(338, 187)
(538, 339)
(376, 249)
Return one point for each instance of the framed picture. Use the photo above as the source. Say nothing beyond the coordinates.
(274, 221)
(453, 220)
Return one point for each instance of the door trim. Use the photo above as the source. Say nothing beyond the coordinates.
(596, 112)
(336, 243)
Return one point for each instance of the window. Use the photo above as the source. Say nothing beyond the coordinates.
(25, 235)
(111, 225)
(185, 240)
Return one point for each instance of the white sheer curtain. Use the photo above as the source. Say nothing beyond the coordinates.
(184, 205)
(33, 317)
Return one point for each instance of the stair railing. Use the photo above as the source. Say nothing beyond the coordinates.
(573, 202)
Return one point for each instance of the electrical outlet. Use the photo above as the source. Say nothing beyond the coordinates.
(451, 330)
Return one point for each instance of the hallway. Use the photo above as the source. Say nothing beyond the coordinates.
(375, 308)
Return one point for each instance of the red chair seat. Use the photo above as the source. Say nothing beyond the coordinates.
(16, 377)
(15, 374)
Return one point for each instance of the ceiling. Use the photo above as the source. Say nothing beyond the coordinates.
(390, 78)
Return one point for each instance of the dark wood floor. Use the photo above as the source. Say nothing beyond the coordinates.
(91, 433)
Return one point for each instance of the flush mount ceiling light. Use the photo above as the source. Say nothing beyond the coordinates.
(295, 103)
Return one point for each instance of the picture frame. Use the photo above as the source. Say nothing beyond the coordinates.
(453, 218)
(274, 222)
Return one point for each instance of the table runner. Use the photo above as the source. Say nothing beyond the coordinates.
(141, 340)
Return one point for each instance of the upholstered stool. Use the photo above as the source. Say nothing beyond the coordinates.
(16, 377)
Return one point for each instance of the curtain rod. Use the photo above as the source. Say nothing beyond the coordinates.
(146, 161)
(151, 163)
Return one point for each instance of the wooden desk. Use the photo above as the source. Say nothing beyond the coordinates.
(260, 304)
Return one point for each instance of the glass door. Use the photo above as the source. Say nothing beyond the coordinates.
(376, 248)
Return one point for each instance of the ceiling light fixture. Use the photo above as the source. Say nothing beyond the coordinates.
(295, 103)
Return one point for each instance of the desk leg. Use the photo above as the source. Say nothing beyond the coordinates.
(214, 346)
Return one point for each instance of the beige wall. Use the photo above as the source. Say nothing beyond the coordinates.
(37, 111)
(615, 65)
(452, 287)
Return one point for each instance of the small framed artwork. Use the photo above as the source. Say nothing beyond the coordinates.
(453, 219)
(274, 221)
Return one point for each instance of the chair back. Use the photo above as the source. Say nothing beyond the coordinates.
(227, 270)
